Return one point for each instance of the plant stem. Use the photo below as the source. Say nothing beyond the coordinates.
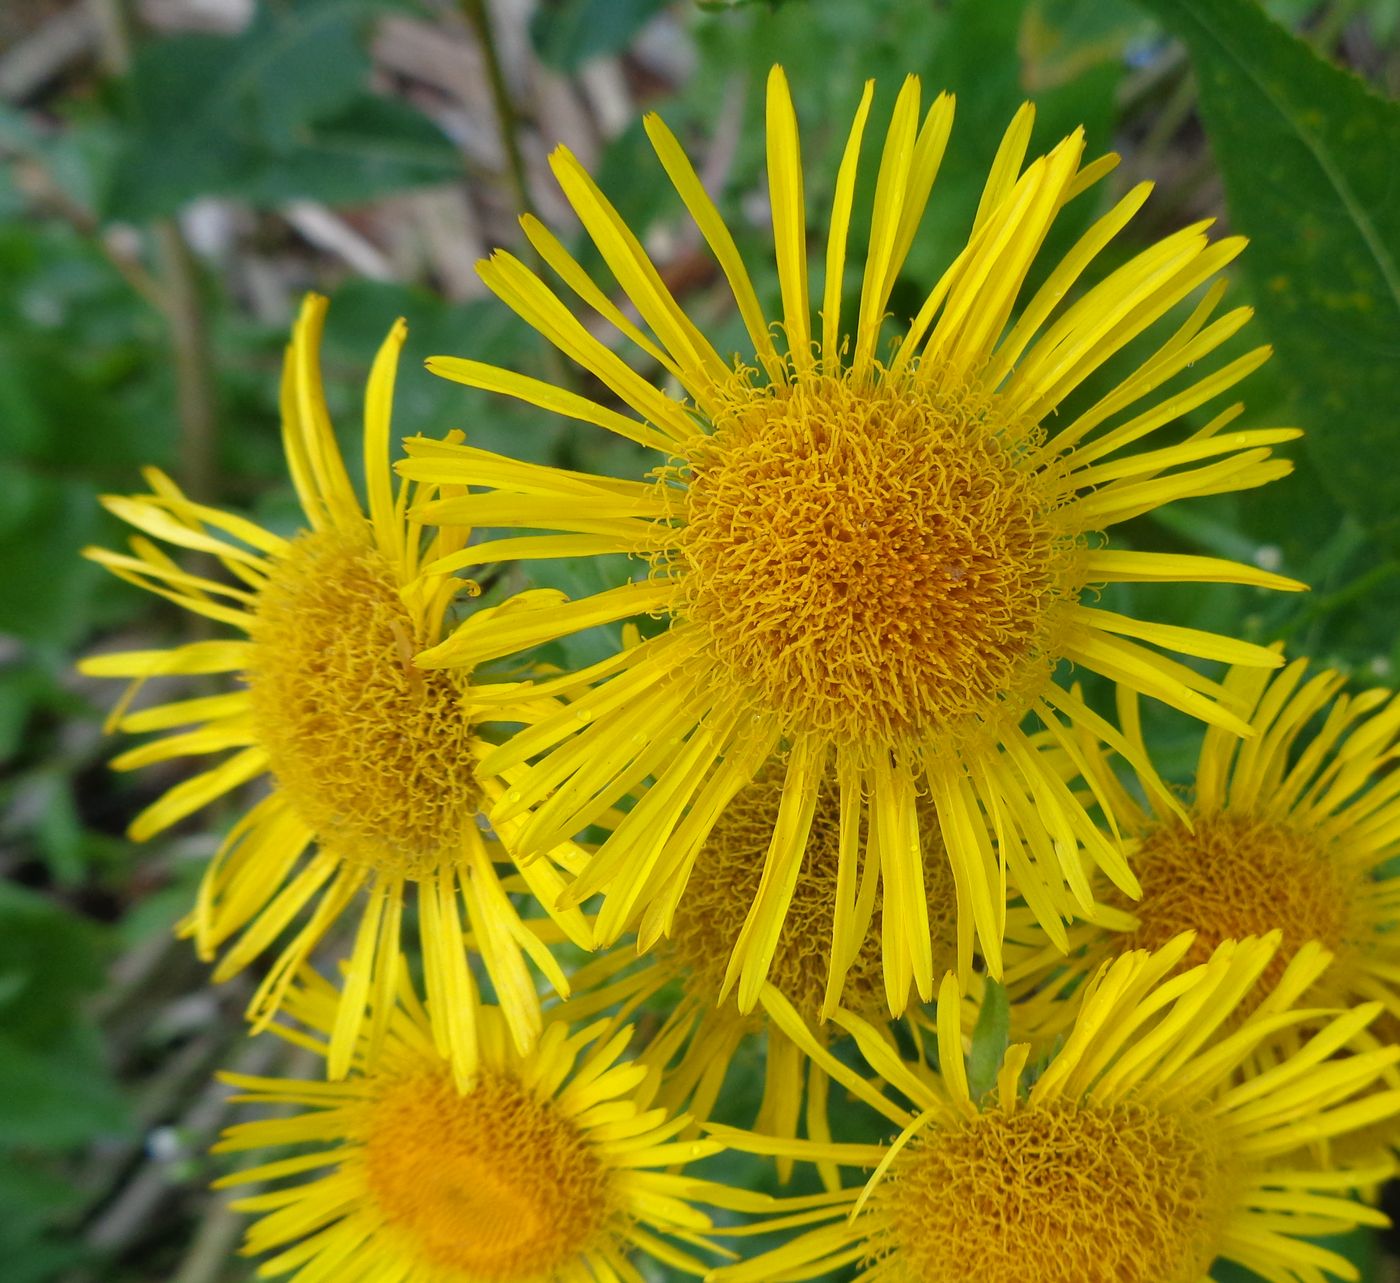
(179, 298)
(194, 379)
(114, 35)
(35, 180)
(475, 13)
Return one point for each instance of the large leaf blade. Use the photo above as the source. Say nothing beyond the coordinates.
(1308, 154)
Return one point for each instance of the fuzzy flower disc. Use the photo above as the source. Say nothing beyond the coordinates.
(556, 1165)
(372, 753)
(874, 537)
(1120, 1195)
(1295, 830)
(877, 563)
(1234, 875)
(1134, 1151)
(373, 798)
(495, 1184)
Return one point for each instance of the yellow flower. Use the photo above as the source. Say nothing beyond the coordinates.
(704, 1030)
(725, 879)
(549, 1167)
(371, 758)
(1292, 829)
(1135, 1156)
(877, 562)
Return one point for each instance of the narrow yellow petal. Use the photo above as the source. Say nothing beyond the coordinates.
(151, 517)
(789, 219)
(1149, 674)
(228, 733)
(758, 938)
(1119, 566)
(1187, 641)
(890, 185)
(313, 424)
(719, 239)
(1059, 282)
(189, 795)
(699, 364)
(351, 1012)
(1006, 165)
(785, 1016)
(204, 708)
(557, 257)
(490, 634)
(521, 290)
(836, 238)
(928, 157)
(950, 1048)
(536, 392)
(379, 405)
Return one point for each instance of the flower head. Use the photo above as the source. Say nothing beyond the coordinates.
(548, 1167)
(704, 1030)
(872, 559)
(371, 758)
(1134, 1156)
(725, 879)
(1293, 829)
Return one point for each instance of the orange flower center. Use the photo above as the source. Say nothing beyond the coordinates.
(1061, 1194)
(371, 752)
(495, 1183)
(1234, 875)
(874, 563)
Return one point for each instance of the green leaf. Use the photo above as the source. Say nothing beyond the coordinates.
(727, 6)
(38, 1193)
(33, 1252)
(49, 959)
(371, 145)
(1308, 154)
(990, 1039)
(567, 33)
(57, 1097)
(281, 111)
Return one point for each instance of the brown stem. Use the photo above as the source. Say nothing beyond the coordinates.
(179, 300)
(475, 13)
(33, 178)
(114, 35)
(194, 380)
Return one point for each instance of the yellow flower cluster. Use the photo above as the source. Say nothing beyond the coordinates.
(829, 798)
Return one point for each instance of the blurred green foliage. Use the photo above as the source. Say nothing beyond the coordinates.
(277, 113)
(1308, 152)
(286, 110)
(55, 1092)
(567, 33)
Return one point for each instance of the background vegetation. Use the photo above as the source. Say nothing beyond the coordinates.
(177, 172)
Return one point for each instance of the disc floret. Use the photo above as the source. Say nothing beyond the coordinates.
(1126, 1194)
(494, 1184)
(877, 560)
(375, 795)
(1231, 875)
(1293, 829)
(1133, 1153)
(372, 753)
(553, 1165)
